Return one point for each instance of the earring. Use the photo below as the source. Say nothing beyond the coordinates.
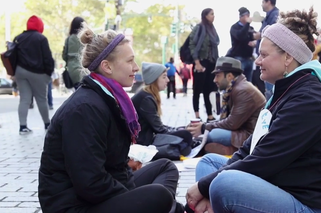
(286, 72)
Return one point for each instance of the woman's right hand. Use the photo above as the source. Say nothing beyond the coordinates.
(193, 196)
(199, 67)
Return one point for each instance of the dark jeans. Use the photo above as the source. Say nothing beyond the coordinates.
(203, 82)
(50, 94)
(256, 80)
(155, 191)
(247, 66)
(185, 85)
(171, 86)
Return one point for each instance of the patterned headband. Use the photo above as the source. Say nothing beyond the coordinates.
(288, 41)
(118, 38)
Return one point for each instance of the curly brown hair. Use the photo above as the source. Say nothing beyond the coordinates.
(95, 44)
(302, 23)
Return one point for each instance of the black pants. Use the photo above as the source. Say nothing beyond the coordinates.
(171, 86)
(256, 80)
(185, 85)
(203, 82)
(155, 191)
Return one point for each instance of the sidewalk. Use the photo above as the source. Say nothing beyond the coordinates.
(20, 155)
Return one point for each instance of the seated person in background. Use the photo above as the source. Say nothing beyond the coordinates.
(84, 163)
(241, 105)
(278, 169)
(147, 103)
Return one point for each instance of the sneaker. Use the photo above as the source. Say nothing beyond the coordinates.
(31, 106)
(210, 120)
(51, 108)
(25, 131)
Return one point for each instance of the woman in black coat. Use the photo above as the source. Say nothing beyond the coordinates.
(84, 163)
(147, 103)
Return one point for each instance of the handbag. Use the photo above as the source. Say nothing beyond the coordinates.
(168, 146)
(9, 58)
(65, 74)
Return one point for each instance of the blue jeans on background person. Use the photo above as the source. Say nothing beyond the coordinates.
(237, 191)
(268, 90)
(221, 136)
(50, 95)
(247, 67)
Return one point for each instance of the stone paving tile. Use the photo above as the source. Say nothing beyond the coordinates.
(20, 155)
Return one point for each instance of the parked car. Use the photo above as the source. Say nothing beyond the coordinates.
(137, 85)
(5, 86)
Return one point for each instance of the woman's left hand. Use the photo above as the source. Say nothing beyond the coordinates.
(135, 165)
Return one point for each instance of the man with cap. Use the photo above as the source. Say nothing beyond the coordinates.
(241, 105)
(243, 42)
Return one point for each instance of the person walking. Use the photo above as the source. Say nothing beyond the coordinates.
(185, 75)
(33, 73)
(171, 71)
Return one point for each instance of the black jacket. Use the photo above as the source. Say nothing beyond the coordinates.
(289, 155)
(34, 53)
(84, 160)
(240, 37)
(148, 118)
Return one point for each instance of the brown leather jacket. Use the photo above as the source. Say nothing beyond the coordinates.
(245, 103)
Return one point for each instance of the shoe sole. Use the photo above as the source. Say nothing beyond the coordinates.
(24, 133)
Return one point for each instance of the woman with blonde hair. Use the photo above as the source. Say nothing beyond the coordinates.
(278, 167)
(147, 103)
(84, 163)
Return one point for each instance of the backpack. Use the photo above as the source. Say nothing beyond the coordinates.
(185, 73)
(185, 52)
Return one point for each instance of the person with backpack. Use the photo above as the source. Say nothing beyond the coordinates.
(171, 71)
(185, 76)
(203, 44)
(71, 53)
(33, 73)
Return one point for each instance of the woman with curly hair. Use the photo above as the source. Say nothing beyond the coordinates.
(278, 168)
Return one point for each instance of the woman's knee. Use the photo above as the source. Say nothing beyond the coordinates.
(227, 184)
(168, 166)
(208, 159)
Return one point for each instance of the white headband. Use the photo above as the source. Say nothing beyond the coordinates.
(288, 41)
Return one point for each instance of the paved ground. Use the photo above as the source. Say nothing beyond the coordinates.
(20, 155)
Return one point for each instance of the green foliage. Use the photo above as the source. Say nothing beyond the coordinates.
(148, 27)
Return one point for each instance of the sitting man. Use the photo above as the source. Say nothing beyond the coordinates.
(241, 105)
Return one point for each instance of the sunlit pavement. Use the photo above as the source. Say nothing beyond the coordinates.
(20, 154)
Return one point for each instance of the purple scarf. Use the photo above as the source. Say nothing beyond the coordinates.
(122, 99)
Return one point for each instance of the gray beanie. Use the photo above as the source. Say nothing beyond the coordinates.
(151, 72)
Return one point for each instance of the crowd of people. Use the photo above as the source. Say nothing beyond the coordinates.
(273, 136)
